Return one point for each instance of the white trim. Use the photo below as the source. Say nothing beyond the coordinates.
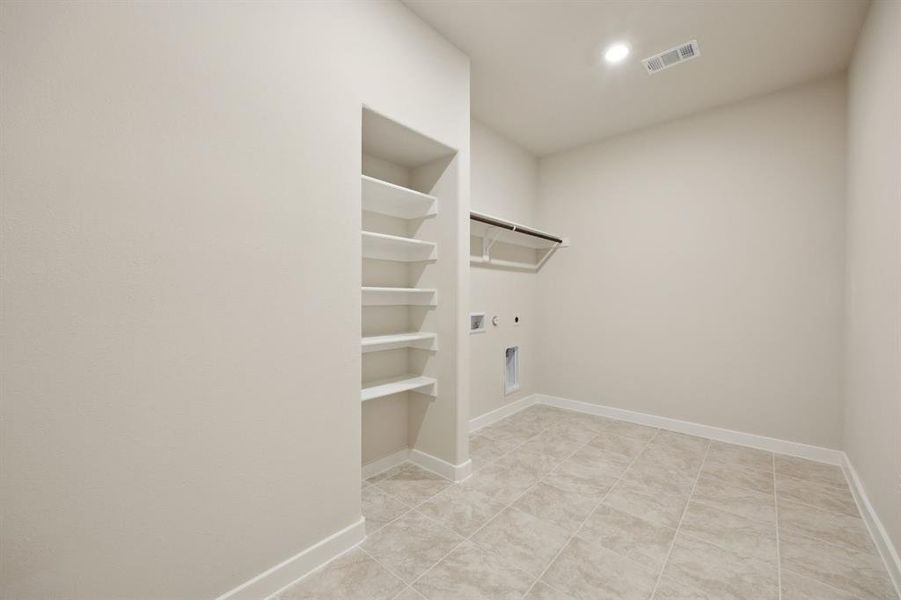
(825, 455)
(816, 453)
(387, 462)
(503, 412)
(877, 530)
(441, 467)
(428, 462)
(289, 571)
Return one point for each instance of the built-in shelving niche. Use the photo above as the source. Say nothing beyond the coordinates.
(409, 223)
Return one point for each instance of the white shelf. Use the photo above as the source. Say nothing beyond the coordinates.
(417, 339)
(396, 201)
(382, 246)
(516, 235)
(396, 385)
(390, 296)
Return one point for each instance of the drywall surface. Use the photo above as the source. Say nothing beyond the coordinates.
(704, 281)
(873, 359)
(504, 184)
(181, 303)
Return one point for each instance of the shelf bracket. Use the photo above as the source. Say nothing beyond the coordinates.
(487, 245)
(546, 256)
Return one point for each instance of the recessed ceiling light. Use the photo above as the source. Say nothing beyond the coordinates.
(616, 53)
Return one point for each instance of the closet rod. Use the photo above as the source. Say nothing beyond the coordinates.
(511, 227)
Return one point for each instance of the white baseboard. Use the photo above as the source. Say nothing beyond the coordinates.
(428, 462)
(817, 453)
(501, 413)
(874, 524)
(383, 464)
(289, 571)
(441, 467)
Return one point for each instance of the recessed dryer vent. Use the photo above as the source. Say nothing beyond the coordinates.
(672, 57)
(511, 369)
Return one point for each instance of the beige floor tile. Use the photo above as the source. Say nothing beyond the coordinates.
(590, 572)
(556, 446)
(737, 500)
(412, 485)
(859, 573)
(730, 455)
(605, 462)
(831, 498)
(502, 483)
(576, 431)
(523, 541)
(720, 573)
(611, 443)
(556, 466)
(542, 591)
(534, 462)
(410, 545)
(670, 589)
(685, 463)
(471, 573)
(797, 587)
(663, 476)
(835, 528)
(462, 508)
(640, 540)
(410, 594)
(597, 423)
(380, 508)
(353, 576)
(685, 445)
(565, 509)
(525, 418)
(484, 451)
(511, 432)
(626, 429)
(808, 470)
(740, 534)
(587, 481)
(652, 504)
(760, 481)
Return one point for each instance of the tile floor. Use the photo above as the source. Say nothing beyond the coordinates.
(566, 506)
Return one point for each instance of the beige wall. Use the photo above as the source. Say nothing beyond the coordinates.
(504, 184)
(872, 435)
(181, 276)
(704, 281)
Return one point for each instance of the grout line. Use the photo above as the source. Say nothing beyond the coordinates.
(544, 429)
(825, 585)
(588, 516)
(836, 545)
(730, 512)
(485, 524)
(681, 518)
(778, 541)
(822, 509)
(816, 483)
(379, 563)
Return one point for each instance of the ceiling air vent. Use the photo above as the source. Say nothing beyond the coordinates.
(671, 57)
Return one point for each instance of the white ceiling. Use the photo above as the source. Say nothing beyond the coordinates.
(537, 77)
